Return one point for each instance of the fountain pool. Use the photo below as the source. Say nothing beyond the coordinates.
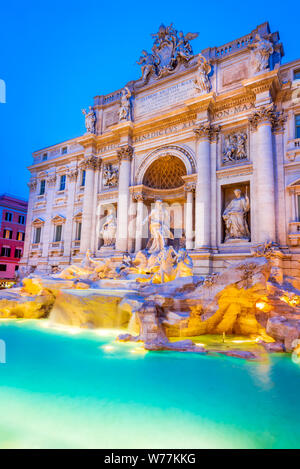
(70, 388)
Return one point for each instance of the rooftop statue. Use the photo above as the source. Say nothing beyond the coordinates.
(90, 120)
(170, 49)
(124, 112)
(202, 82)
(261, 50)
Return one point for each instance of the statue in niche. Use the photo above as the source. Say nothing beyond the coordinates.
(159, 227)
(109, 229)
(90, 120)
(110, 176)
(202, 82)
(124, 112)
(235, 148)
(234, 217)
(261, 50)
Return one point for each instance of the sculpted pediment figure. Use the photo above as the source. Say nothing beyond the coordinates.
(170, 49)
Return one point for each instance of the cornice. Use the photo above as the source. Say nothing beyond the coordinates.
(237, 170)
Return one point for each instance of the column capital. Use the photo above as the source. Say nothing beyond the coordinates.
(138, 197)
(32, 184)
(51, 180)
(91, 162)
(190, 187)
(208, 130)
(125, 152)
(72, 174)
(268, 114)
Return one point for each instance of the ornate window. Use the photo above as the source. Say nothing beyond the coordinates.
(165, 173)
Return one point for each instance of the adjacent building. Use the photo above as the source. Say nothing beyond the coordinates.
(13, 212)
(214, 135)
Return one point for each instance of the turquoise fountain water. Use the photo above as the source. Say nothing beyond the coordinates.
(70, 389)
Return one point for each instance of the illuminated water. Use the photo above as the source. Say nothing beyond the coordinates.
(61, 390)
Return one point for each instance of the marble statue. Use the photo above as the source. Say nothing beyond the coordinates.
(110, 175)
(184, 264)
(109, 229)
(159, 227)
(202, 82)
(90, 120)
(234, 217)
(235, 148)
(261, 50)
(170, 49)
(147, 61)
(124, 112)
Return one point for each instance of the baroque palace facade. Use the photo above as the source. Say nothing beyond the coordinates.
(215, 136)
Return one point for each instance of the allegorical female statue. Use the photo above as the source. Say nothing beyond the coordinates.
(109, 229)
(90, 120)
(159, 227)
(124, 112)
(202, 81)
(234, 217)
(261, 50)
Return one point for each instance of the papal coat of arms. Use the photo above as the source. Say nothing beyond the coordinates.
(170, 49)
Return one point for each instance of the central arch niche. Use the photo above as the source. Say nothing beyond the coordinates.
(165, 173)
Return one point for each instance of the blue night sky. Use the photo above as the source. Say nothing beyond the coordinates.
(56, 56)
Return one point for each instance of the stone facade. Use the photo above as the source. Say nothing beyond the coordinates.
(213, 135)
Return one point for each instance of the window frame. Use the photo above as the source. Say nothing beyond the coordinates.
(42, 187)
(62, 182)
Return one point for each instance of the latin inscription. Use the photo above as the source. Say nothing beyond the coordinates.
(164, 98)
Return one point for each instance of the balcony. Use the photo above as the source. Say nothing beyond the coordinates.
(56, 248)
(76, 243)
(294, 233)
(36, 250)
(293, 149)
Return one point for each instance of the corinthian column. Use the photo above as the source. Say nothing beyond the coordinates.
(125, 156)
(47, 231)
(90, 163)
(139, 221)
(205, 133)
(72, 177)
(189, 189)
(261, 121)
(32, 194)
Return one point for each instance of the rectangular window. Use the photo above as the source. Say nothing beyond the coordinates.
(42, 187)
(21, 219)
(78, 231)
(5, 252)
(64, 150)
(45, 156)
(3, 267)
(297, 125)
(298, 197)
(83, 178)
(20, 236)
(62, 184)
(18, 253)
(37, 235)
(8, 216)
(297, 74)
(7, 234)
(16, 268)
(58, 232)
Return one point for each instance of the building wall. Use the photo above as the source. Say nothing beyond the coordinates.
(17, 208)
(194, 127)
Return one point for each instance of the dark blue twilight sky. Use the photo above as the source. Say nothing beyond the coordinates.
(55, 56)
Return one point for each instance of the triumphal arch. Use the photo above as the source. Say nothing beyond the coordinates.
(211, 139)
